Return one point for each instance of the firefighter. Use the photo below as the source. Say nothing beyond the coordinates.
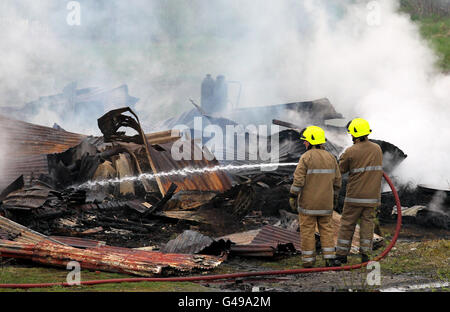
(363, 161)
(317, 181)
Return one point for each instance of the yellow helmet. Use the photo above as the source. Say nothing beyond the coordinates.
(358, 127)
(314, 135)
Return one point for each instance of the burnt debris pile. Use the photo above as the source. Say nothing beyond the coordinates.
(128, 194)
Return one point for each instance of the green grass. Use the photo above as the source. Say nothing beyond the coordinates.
(428, 257)
(437, 32)
(37, 274)
(435, 29)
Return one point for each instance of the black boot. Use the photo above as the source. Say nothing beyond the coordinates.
(364, 258)
(341, 259)
(332, 263)
(308, 265)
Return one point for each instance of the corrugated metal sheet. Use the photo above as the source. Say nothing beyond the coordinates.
(211, 181)
(109, 259)
(27, 139)
(78, 242)
(20, 233)
(28, 198)
(243, 238)
(274, 235)
(168, 261)
(188, 242)
(24, 243)
(192, 242)
(30, 143)
(28, 166)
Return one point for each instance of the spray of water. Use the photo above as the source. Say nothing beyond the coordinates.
(185, 172)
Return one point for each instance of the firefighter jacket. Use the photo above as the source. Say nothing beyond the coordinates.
(316, 178)
(364, 163)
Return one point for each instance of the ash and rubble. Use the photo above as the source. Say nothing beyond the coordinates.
(215, 212)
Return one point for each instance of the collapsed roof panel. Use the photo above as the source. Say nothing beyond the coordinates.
(316, 111)
(24, 243)
(274, 235)
(26, 139)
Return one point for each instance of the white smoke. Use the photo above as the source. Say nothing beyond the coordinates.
(368, 59)
(437, 203)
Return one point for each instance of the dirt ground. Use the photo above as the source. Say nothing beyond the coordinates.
(421, 256)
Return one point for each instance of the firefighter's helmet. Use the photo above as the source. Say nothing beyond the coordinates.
(358, 127)
(314, 135)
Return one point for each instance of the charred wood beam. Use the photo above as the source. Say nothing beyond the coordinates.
(285, 124)
(163, 201)
(126, 222)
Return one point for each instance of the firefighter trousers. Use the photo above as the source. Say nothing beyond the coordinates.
(350, 216)
(307, 235)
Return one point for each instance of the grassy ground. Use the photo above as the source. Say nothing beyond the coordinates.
(437, 31)
(434, 27)
(37, 274)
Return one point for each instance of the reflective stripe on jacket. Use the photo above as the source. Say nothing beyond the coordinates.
(364, 163)
(316, 178)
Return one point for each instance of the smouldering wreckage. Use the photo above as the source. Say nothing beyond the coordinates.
(117, 203)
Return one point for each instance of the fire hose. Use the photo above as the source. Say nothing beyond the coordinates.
(235, 275)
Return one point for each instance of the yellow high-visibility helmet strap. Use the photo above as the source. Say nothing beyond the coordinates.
(358, 127)
(313, 134)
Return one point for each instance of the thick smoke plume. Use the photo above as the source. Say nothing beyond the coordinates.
(367, 58)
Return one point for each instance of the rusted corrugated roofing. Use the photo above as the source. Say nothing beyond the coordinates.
(210, 181)
(268, 235)
(26, 139)
(106, 258)
(27, 166)
(242, 238)
(28, 145)
(78, 242)
(20, 233)
(274, 235)
(167, 261)
(25, 243)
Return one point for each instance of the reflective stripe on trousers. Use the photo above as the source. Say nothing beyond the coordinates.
(343, 244)
(362, 200)
(311, 212)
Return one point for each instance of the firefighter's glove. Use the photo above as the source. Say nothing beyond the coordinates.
(293, 202)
